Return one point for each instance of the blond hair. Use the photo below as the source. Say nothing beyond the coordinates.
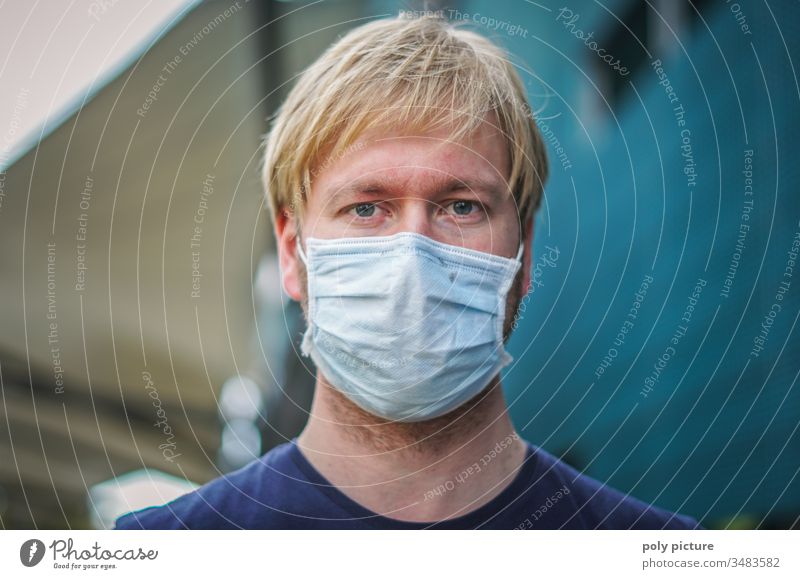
(415, 73)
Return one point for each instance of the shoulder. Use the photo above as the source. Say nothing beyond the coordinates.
(595, 505)
(226, 502)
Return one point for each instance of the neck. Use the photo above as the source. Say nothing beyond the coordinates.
(423, 471)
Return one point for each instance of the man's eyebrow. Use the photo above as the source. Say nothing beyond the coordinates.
(383, 187)
(343, 192)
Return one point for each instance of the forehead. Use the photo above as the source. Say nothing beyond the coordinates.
(479, 156)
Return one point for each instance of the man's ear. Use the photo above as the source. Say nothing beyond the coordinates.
(286, 234)
(527, 252)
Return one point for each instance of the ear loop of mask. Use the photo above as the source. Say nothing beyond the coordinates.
(300, 251)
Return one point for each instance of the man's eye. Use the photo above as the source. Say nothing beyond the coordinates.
(365, 209)
(463, 207)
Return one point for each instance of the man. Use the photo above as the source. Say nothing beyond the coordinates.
(403, 174)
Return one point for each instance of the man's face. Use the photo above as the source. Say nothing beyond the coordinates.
(386, 183)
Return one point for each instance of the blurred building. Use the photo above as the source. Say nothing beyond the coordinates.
(133, 232)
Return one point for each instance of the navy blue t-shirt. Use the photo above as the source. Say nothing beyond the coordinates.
(281, 490)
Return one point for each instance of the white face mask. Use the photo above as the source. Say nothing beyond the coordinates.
(406, 327)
